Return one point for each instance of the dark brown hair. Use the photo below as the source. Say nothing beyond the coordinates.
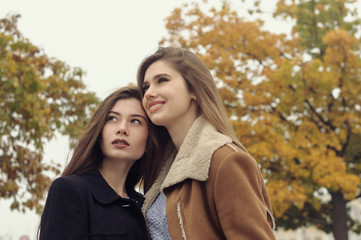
(88, 156)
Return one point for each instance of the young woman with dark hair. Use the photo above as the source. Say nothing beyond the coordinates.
(95, 197)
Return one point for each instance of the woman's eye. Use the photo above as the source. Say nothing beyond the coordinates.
(112, 118)
(161, 80)
(137, 121)
(145, 88)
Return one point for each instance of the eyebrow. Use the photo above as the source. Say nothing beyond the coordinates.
(161, 75)
(132, 115)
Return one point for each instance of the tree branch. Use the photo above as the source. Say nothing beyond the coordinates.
(327, 123)
(348, 138)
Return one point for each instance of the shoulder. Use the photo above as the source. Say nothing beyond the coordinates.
(72, 180)
(232, 153)
(230, 161)
(68, 184)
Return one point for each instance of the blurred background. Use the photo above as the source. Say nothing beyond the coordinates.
(289, 73)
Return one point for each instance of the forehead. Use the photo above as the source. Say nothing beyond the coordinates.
(128, 106)
(159, 67)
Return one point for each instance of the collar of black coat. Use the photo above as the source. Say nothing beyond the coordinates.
(104, 194)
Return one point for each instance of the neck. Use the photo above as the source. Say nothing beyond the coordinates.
(115, 174)
(179, 130)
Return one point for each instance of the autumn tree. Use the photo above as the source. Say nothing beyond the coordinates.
(295, 101)
(40, 96)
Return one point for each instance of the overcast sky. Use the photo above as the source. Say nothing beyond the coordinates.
(107, 39)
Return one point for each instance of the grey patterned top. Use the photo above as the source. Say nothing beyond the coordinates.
(157, 219)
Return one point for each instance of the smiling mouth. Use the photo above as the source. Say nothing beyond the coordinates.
(155, 107)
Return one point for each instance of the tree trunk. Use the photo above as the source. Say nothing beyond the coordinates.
(339, 216)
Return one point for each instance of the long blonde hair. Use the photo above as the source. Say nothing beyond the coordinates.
(199, 81)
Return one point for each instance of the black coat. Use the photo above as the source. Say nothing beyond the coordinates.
(85, 207)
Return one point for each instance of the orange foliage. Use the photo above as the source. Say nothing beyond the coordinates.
(294, 100)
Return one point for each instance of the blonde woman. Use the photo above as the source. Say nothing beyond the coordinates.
(207, 186)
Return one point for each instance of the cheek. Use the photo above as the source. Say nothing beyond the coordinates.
(103, 134)
(143, 138)
(144, 103)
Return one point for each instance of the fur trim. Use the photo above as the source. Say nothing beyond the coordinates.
(272, 218)
(192, 161)
(181, 221)
(194, 157)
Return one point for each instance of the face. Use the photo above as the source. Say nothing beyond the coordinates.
(167, 99)
(125, 133)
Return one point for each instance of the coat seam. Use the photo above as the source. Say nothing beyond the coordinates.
(272, 218)
(181, 220)
(235, 149)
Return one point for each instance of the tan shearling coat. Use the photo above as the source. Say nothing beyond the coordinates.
(214, 190)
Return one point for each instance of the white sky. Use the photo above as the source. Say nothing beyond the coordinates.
(107, 39)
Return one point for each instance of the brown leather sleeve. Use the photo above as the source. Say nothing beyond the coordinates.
(240, 197)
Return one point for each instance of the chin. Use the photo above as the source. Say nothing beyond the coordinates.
(157, 121)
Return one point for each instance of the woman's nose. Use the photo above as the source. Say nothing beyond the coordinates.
(123, 129)
(150, 93)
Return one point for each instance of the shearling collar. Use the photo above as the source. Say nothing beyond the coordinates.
(194, 157)
(192, 161)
